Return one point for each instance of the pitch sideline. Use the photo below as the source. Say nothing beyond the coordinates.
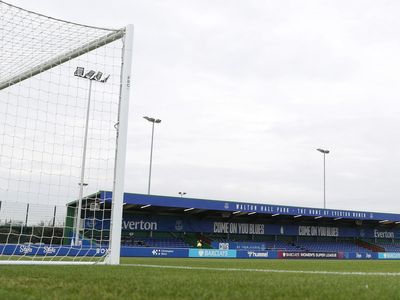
(264, 270)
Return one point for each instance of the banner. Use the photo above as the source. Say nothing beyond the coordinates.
(47, 250)
(389, 255)
(360, 255)
(212, 253)
(153, 252)
(306, 255)
(257, 254)
(156, 223)
(239, 245)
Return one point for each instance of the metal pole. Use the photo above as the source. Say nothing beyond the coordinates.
(324, 152)
(151, 157)
(26, 215)
(81, 184)
(54, 216)
(324, 185)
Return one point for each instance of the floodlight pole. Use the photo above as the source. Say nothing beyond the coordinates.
(91, 78)
(153, 121)
(324, 152)
(182, 194)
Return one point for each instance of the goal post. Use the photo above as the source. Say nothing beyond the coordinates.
(64, 104)
(120, 150)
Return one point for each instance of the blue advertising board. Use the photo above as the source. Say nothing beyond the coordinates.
(257, 254)
(389, 255)
(47, 250)
(310, 255)
(360, 255)
(153, 252)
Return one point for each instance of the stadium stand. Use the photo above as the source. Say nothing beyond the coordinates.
(389, 247)
(338, 246)
(160, 222)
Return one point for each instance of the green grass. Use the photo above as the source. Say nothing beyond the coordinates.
(133, 282)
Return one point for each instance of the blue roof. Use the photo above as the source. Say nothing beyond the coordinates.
(233, 206)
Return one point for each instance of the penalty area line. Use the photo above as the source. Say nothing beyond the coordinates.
(264, 270)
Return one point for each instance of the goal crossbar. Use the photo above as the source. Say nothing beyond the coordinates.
(58, 60)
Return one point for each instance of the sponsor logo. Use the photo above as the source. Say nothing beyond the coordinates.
(212, 253)
(26, 249)
(162, 252)
(309, 255)
(156, 252)
(179, 225)
(223, 246)
(226, 205)
(49, 250)
(257, 254)
(102, 251)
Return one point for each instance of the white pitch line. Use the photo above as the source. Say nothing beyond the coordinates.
(264, 270)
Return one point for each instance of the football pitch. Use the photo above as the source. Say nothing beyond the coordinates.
(152, 278)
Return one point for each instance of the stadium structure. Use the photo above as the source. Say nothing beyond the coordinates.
(161, 226)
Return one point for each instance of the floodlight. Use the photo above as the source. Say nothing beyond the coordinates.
(323, 151)
(149, 119)
(90, 74)
(97, 77)
(79, 71)
(105, 79)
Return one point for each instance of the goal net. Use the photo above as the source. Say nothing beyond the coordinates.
(64, 92)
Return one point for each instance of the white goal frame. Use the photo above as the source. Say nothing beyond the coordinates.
(113, 256)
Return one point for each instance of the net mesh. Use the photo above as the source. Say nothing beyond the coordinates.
(48, 135)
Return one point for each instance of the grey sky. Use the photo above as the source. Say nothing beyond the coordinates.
(247, 90)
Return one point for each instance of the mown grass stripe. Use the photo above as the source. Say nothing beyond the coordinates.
(265, 270)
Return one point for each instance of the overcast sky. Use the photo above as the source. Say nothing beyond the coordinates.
(247, 90)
